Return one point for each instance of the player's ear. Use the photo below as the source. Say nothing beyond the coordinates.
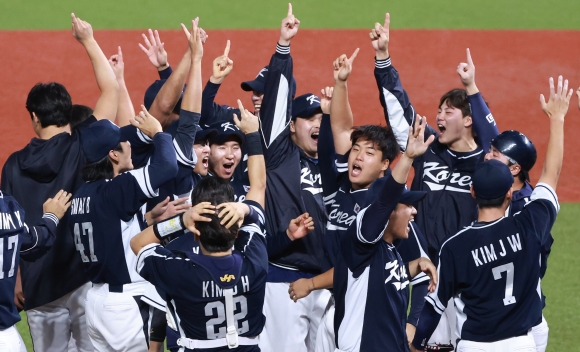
(292, 126)
(385, 165)
(467, 121)
(515, 169)
(509, 195)
(114, 156)
(472, 191)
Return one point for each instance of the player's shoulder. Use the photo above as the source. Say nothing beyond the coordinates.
(469, 234)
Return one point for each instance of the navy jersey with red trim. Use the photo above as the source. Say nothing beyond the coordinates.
(371, 285)
(492, 270)
(194, 284)
(294, 181)
(17, 241)
(106, 214)
(443, 173)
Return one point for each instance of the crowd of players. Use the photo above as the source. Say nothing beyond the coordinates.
(287, 228)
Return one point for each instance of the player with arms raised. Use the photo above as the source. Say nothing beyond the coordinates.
(491, 268)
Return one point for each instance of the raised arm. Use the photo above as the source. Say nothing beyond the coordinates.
(276, 110)
(155, 51)
(249, 125)
(125, 110)
(106, 106)
(483, 122)
(556, 109)
(341, 118)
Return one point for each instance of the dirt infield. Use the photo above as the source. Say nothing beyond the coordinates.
(512, 70)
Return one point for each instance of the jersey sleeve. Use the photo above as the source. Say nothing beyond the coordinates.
(398, 110)
(359, 243)
(160, 266)
(212, 112)
(539, 214)
(141, 145)
(276, 110)
(446, 281)
(412, 248)
(37, 240)
(184, 138)
(251, 239)
(334, 179)
(483, 122)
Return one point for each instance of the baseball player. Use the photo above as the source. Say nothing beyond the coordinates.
(445, 172)
(114, 194)
(54, 287)
(491, 268)
(17, 240)
(371, 281)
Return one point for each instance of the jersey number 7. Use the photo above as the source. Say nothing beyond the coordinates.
(87, 230)
(509, 285)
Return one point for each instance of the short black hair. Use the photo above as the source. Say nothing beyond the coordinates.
(457, 98)
(214, 236)
(79, 113)
(490, 203)
(379, 135)
(51, 103)
(100, 170)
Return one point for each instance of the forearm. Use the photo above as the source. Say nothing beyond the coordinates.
(125, 110)
(324, 280)
(192, 97)
(401, 170)
(163, 166)
(341, 119)
(104, 74)
(428, 321)
(483, 122)
(554, 154)
(418, 294)
(256, 168)
(142, 239)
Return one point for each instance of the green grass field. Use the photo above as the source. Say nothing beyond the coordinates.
(446, 14)
(560, 285)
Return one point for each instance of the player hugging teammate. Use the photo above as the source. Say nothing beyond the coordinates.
(283, 229)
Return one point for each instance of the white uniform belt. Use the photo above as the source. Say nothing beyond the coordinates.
(193, 344)
(134, 288)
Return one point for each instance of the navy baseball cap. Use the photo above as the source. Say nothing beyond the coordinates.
(492, 180)
(226, 130)
(203, 134)
(412, 197)
(259, 83)
(100, 138)
(154, 89)
(305, 106)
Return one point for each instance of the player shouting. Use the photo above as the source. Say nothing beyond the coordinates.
(491, 267)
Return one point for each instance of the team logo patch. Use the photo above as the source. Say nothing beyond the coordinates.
(227, 278)
(356, 208)
(246, 188)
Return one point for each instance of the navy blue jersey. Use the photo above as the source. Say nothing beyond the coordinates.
(444, 174)
(194, 284)
(371, 285)
(31, 176)
(493, 272)
(17, 241)
(105, 215)
(294, 181)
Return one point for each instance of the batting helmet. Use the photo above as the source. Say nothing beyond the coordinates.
(517, 147)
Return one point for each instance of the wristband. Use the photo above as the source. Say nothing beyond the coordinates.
(253, 144)
(168, 227)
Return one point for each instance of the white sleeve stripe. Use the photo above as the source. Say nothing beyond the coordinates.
(430, 300)
(260, 213)
(282, 49)
(397, 120)
(143, 137)
(420, 278)
(544, 191)
(52, 217)
(145, 252)
(141, 175)
(383, 63)
(181, 156)
(359, 219)
(329, 197)
(35, 243)
(423, 254)
(340, 169)
(279, 120)
(341, 164)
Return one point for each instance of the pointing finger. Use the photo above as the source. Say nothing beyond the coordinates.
(353, 56)
(227, 50)
(240, 106)
(469, 59)
(387, 20)
(289, 9)
(120, 53)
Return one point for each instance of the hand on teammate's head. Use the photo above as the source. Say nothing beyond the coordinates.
(300, 227)
(416, 143)
(118, 65)
(559, 100)
(379, 36)
(146, 123)
(325, 99)
(57, 205)
(81, 30)
(232, 213)
(289, 27)
(466, 71)
(154, 49)
(196, 214)
(249, 122)
(343, 66)
(222, 66)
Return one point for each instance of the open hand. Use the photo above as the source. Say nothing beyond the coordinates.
(343, 66)
(249, 122)
(325, 99)
(58, 205)
(196, 214)
(231, 213)
(466, 71)
(380, 38)
(416, 144)
(300, 289)
(222, 66)
(118, 65)
(167, 209)
(81, 30)
(300, 227)
(203, 34)
(289, 27)
(146, 123)
(155, 50)
(557, 105)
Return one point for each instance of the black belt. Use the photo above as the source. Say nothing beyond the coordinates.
(113, 288)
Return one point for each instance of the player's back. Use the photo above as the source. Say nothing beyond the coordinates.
(496, 269)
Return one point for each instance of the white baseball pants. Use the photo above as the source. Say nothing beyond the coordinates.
(53, 325)
(10, 340)
(445, 332)
(515, 344)
(291, 326)
(540, 334)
